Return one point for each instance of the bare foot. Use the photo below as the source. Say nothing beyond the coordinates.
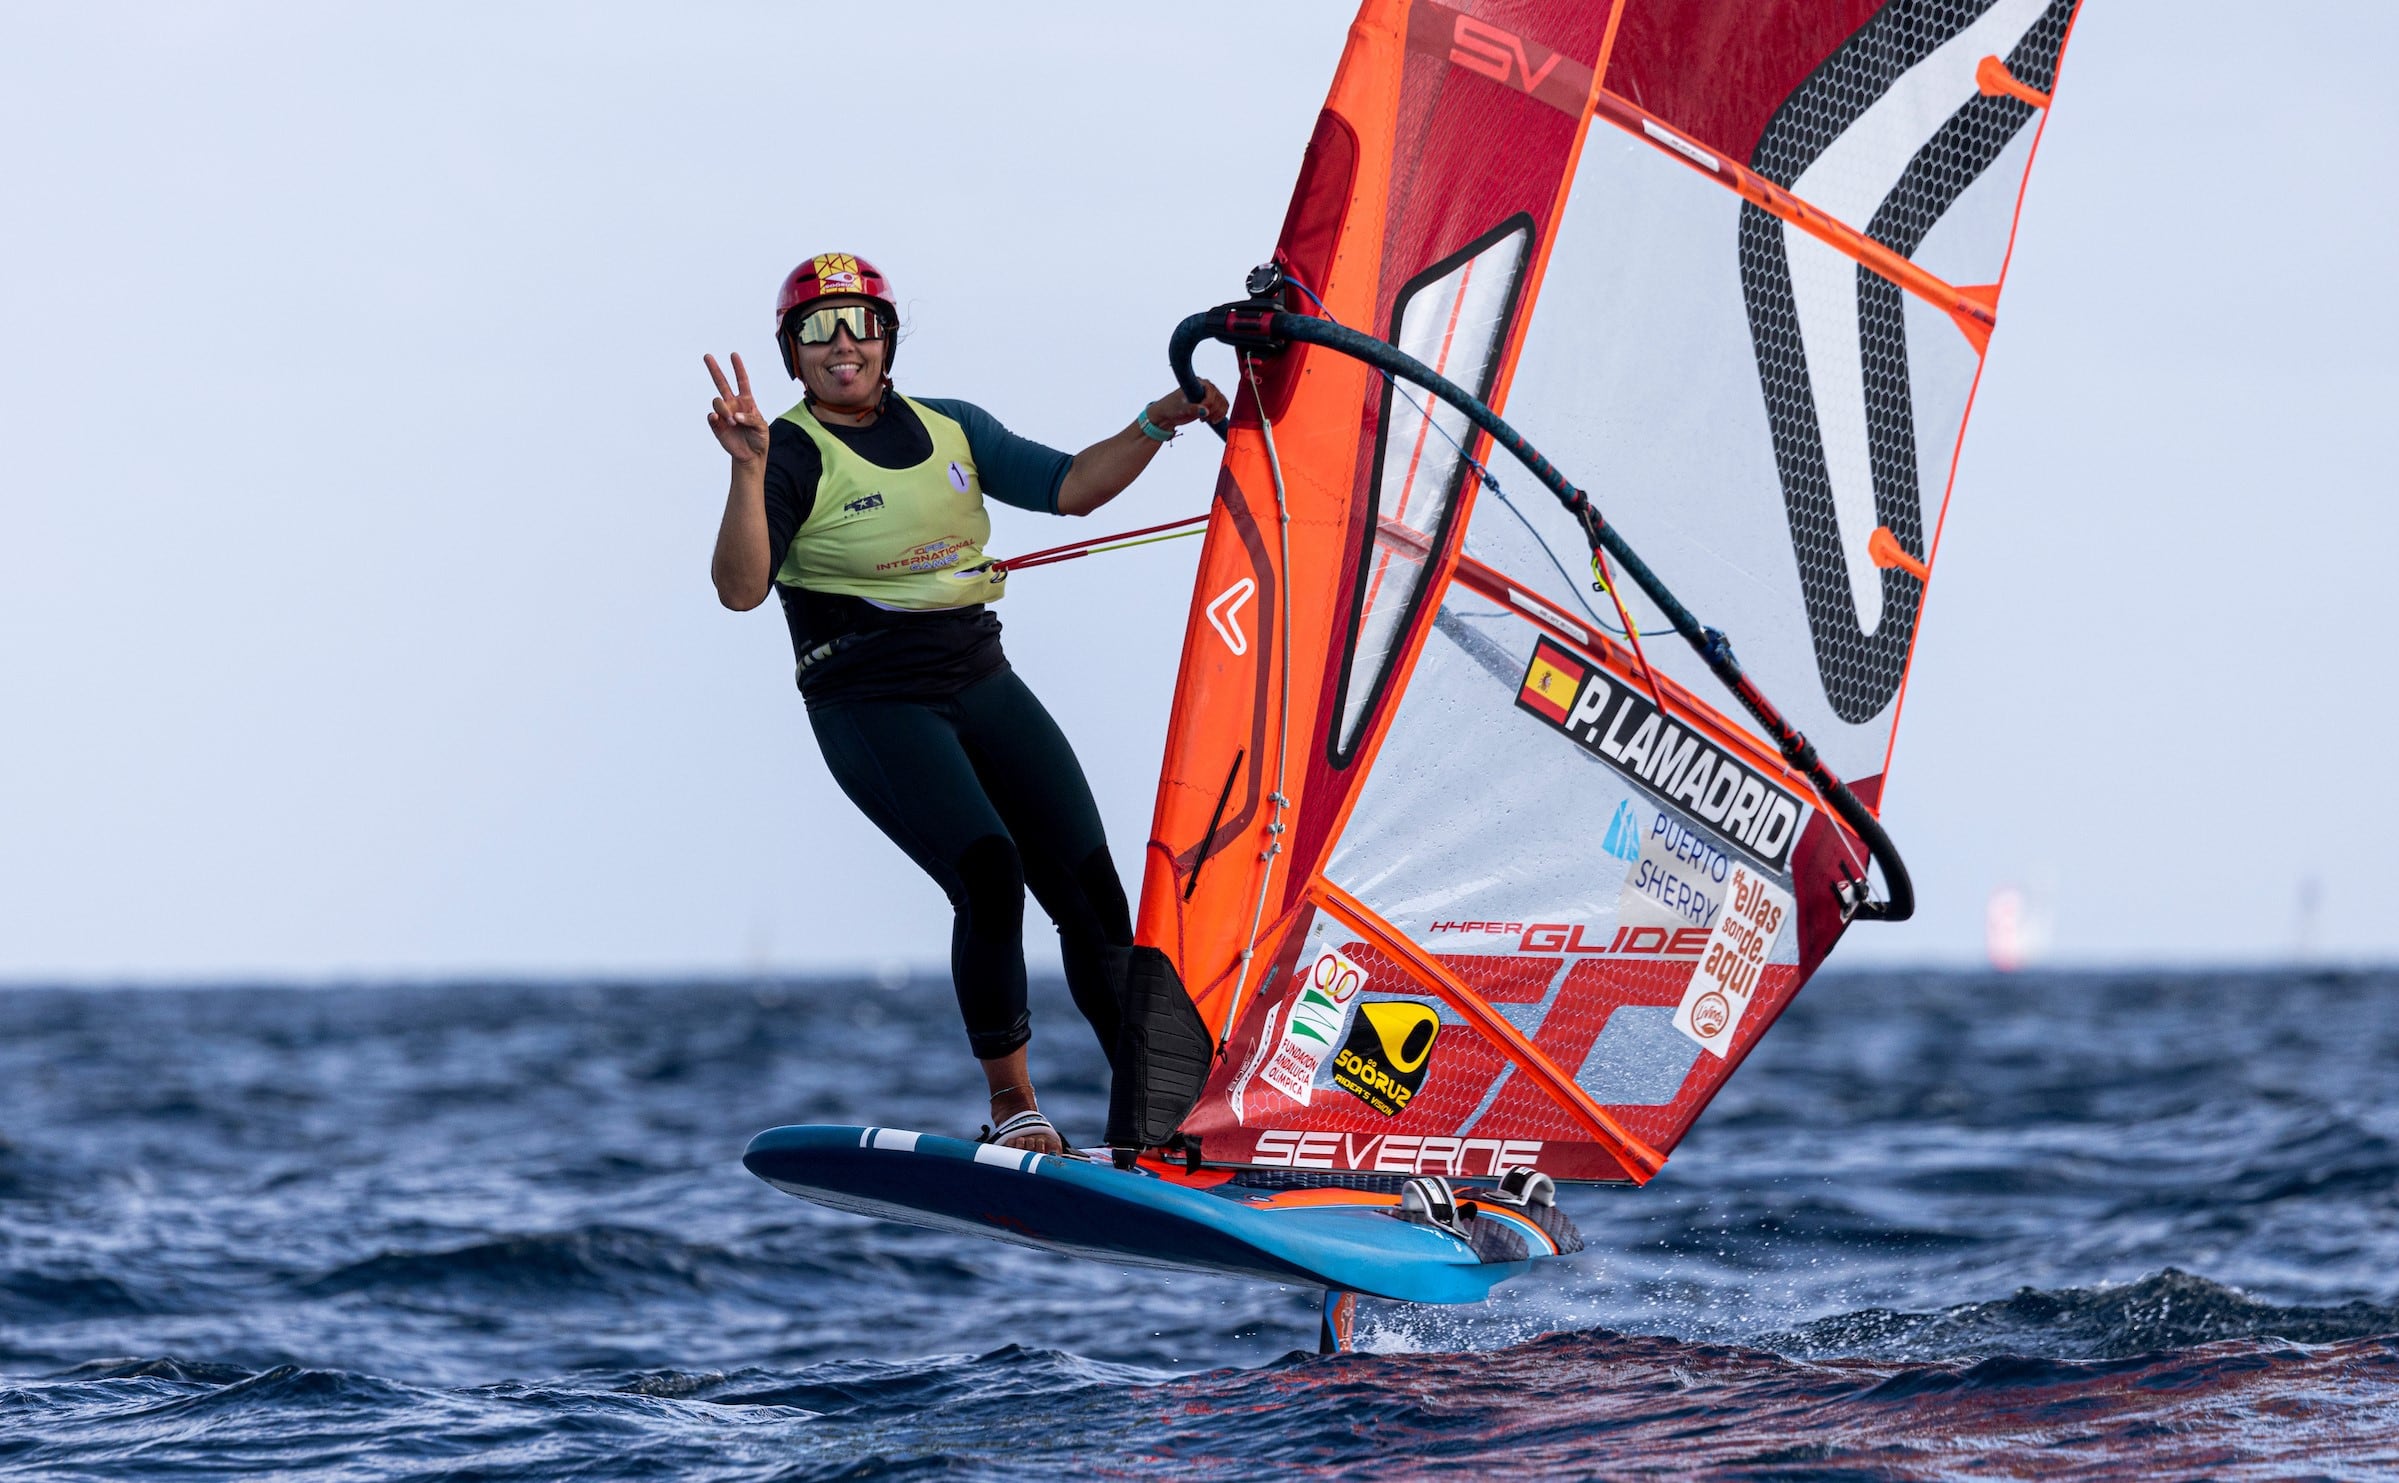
(1005, 1105)
(1038, 1142)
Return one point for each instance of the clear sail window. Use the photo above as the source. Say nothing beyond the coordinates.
(1453, 317)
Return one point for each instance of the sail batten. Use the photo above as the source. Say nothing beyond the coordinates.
(1975, 313)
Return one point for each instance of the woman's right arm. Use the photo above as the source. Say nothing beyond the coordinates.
(743, 567)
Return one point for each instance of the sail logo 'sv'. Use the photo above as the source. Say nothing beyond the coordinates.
(1506, 57)
(1485, 48)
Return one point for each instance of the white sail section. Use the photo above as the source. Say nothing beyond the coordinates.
(1749, 403)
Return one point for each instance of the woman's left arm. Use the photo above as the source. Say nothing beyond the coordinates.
(1101, 471)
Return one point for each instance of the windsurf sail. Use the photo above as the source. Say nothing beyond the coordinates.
(1466, 858)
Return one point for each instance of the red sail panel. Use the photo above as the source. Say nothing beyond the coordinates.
(1460, 883)
(1419, 163)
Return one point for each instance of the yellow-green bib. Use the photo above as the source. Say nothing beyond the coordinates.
(900, 538)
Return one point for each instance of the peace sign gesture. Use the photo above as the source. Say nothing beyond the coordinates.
(734, 416)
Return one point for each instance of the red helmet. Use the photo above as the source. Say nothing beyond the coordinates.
(830, 273)
(823, 276)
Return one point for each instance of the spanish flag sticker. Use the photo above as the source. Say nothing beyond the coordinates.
(1551, 682)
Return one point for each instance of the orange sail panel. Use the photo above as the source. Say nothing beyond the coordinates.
(1457, 878)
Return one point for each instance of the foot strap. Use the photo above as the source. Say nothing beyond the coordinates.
(1017, 1127)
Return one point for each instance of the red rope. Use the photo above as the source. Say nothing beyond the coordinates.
(1073, 549)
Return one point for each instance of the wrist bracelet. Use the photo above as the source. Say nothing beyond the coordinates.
(1152, 431)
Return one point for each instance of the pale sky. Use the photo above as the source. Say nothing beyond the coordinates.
(356, 503)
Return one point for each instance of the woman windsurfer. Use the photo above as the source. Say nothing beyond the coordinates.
(863, 510)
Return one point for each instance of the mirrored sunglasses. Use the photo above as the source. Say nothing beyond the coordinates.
(819, 326)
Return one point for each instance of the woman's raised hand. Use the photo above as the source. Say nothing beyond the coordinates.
(734, 416)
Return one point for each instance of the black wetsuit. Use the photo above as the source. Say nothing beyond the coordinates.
(935, 738)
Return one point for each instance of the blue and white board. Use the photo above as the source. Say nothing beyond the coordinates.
(1351, 1240)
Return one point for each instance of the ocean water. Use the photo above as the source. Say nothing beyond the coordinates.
(2064, 1225)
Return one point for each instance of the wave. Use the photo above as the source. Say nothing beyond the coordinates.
(165, 1367)
(600, 1259)
(1592, 1403)
(2165, 1311)
(216, 1293)
(629, 1262)
(34, 1295)
(896, 1390)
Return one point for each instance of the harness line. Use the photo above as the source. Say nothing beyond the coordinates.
(1121, 541)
